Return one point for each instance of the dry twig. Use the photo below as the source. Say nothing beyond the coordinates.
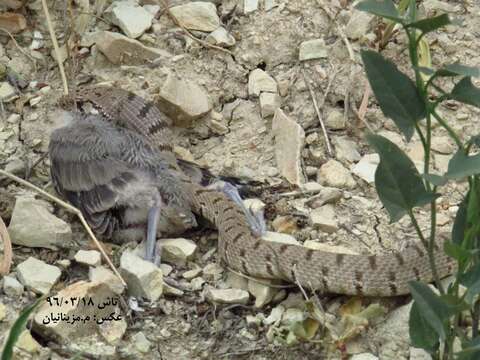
(55, 47)
(319, 115)
(71, 209)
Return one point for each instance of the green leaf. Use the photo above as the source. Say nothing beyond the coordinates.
(425, 70)
(18, 328)
(431, 307)
(470, 350)
(471, 280)
(398, 183)
(382, 8)
(465, 92)
(456, 69)
(421, 333)
(395, 92)
(461, 165)
(456, 251)
(434, 179)
(460, 223)
(431, 24)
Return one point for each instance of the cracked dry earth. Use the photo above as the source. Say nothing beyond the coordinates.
(321, 201)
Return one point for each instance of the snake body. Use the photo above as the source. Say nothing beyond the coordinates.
(241, 250)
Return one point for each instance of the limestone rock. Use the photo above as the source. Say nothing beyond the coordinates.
(120, 49)
(346, 150)
(103, 275)
(285, 224)
(190, 274)
(263, 293)
(38, 276)
(134, 20)
(335, 120)
(177, 251)
(324, 218)
(259, 81)
(442, 145)
(366, 167)
(221, 37)
(358, 25)
(13, 22)
(227, 296)
(364, 356)
(289, 142)
(333, 173)
(143, 278)
(312, 49)
(12, 286)
(236, 281)
(250, 6)
(326, 195)
(197, 15)
(141, 342)
(279, 238)
(7, 92)
(33, 225)
(184, 101)
(54, 319)
(27, 343)
(269, 103)
(90, 257)
(212, 272)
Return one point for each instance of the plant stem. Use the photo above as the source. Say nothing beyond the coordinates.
(430, 251)
(450, 131)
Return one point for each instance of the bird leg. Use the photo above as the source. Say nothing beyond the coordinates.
(255, 219)
(151, 253)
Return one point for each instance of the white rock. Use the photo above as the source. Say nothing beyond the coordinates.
(120, 49)
(197, 283)
(292, 316)
(37, 275)
(27, 343)
(221, 37)
(419, 354)
(33, 225)
(275, 315)
(103, 275)
(7, 92)
(312, 49)
(280, 238)
(335, 120)
(333, 173)
(366, 167)
(197, 15)
(324, 218)
(442, 145)
(325, 196)
(143, 278)
(227, 296)
(270, 4)
(166, 269)
(152, 9)
(262, 292)
(212, 272)
(37, 42)
(236, 281)
(358, 25)
(269, 103)
(184, 101)
(289, 142)
(134, 20)
(346, 150)
(90, 257)
(250, 6)
(190, 274)
(141, 342)
(364, 356)
(259, 81)
(177, 251)
(12, 286)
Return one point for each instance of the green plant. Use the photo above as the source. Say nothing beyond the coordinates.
(434, 318)
(17, 329)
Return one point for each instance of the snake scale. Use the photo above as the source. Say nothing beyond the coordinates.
(327, 272)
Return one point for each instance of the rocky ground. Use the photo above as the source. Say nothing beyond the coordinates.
(242, 91)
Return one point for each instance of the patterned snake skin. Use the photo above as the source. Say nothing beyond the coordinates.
(327, 272)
